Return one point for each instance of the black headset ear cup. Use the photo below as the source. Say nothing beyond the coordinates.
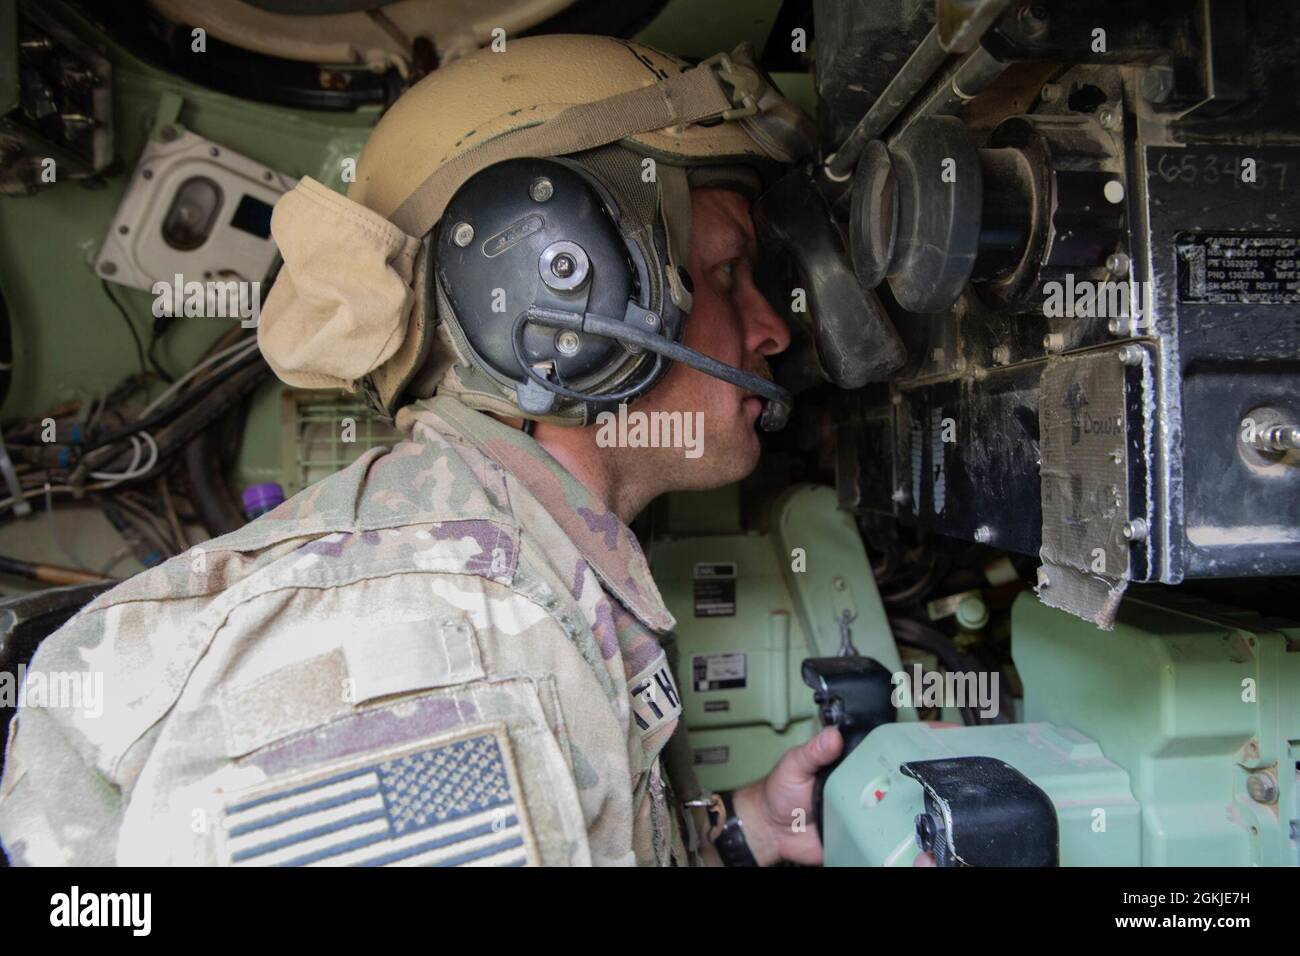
(562, 296)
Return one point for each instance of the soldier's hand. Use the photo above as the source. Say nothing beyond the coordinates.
(776, 812)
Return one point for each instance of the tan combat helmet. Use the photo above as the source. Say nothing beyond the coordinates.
(358, 302)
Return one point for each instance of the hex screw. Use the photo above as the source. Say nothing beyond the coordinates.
(463, 234)
(1130, 355)
(563, 265)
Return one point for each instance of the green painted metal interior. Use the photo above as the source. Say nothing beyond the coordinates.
(1146, 723)
(69, 340)
(1144, 738)
(782, 615)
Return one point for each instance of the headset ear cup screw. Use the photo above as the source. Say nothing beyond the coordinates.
(541, 190)
(568, 343)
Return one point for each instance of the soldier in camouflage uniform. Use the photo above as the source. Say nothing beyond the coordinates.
(452, 652)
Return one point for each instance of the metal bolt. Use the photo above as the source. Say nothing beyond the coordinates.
(899, 496)
(563, 265)
(1262, 787)
(838, 583)
(147, 174)
(1130, 355)
(463, 234)
(1033, 20)
(1054, 341)
(168, 133)
(1051, 92)
(1135, 530)
(983, 534)
(652, 320)
(1158, 84)
(1277, 437)
(1001, 354)
(568, 343)
(1113, 191)
(108, 268)
(1110, 118)
(925, 831)
(542, 189)
(1117, 263)
(1117, 326)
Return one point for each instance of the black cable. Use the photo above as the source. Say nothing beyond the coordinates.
(209, 491)
(779, 399)
(914, 634)
(139, 346)
(160, 327)
(169, 411)
(6, 350)
(182, 427)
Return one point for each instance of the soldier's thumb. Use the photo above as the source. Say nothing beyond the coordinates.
(823, 749)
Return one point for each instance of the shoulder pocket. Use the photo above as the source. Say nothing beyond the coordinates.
(401, 658)
(465, 775)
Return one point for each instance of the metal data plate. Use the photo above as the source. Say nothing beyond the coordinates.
(1092, 426)
(135, 252)
(1225, 258)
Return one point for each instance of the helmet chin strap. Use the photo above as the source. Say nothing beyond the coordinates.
(776, 410)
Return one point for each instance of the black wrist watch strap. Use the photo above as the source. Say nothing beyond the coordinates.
(730, 841)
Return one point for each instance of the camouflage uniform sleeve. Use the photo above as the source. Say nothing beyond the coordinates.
(340, 706)
(66, 763)
(405, 719)
(42, 763)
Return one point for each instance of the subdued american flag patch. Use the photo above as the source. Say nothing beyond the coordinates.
(453, 801)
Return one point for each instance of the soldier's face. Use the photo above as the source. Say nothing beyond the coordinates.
(732, 322)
